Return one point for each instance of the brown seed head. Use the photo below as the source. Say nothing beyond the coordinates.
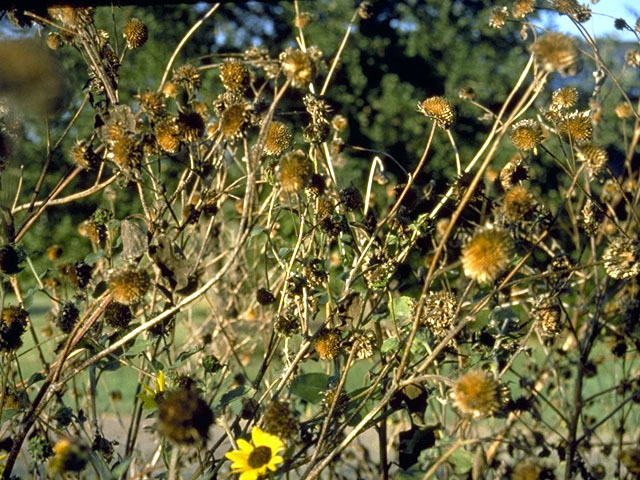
(517, 203)
(152, 103)
(556, 51)
(622, 258)
(184, 417)
(235, 76)
(187, 76)
(295, 171)
(527, 135)
(548, 314)
(328, 343)
(126, 153)
(437, 312)
(498, 17)
(278, 139)
(594, 156)
(298, 67)
(487, 254)
(190, 126)
(478, 393)
(167, 135)
(565, 97)
(440, 110)
(278, 420)
(135, 33)
(117, 315)
(233, 121)
(55, 40)
(12, 325)
(632, 57)
(129, 285)
(522, 8)
(576, 127)
(624, 110)
(84, 156)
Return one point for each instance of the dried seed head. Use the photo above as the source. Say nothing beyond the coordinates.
(440, 110)
(621, 258)
(487, 254)
(118, 315)
(498, 17)
(234, 120)
(316, 186)
(522, 8)
(363, 342)
(84, 156)
(67, 317)
(571, 8)
(437, 312)
(77, 274)
(528, 469)
(594, 156)
(278, 139)
(592, 217)
(278, 420)
(55, 40)
(129, 285)
(74, 17)
(135, 33)
(302, 20)
(576, 127)
(265, 297)
(126, 153)
(632, 57)
(339, 123)
(295, 171)
(298, 67)
(187, 76)
(624, 110)
(478, 393)
(517, 203)
(314, 273)
(184, 417)
(341, 402)
(467, 93)
(556, 51)
(527, 135)
(170, 90)
(152, 103)
(70, 456)
(54, 252)
(190, 126)
(515, 171)
(167, 136)
(378, 269)
(548, 314)
(564, 98)
(12, 325)
(351, 198)
(286, 325)
(95, 232)
(9, 260)
(235, 76)
(328, 343)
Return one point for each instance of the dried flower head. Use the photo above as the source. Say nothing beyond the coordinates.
(184, 417)
(152, 103)
(54, 252)
(498, 17)
(67, 317)
(632, 57)
(78, 274)
(95, 232)
(302, 21)
(235, 75)
(517, 203)
(135, 33)
(622, 258)
(547, 314)
(70, 456)
(278, 420)
(328, 343)
(594, 156)
(74, 17)
(295, 171)
(478, 393)
(9, 260)
(556, 51)
(341, 402)
(126, 153)
(363, 342)
(233, 120)
(298, 67)
(624, 110)
(265, 297)
(187, 76)
(571, 8)
(286, 325)
(527, 135)
(377, 270)
(55, 40)
(339, 123)
(83, 155)
(168, 135)
(565, 97)
(440, 110)
(129, 285)
(12, 325)
(522, 8)
(437, 312)
(190, 126)
(576, 127)
(351, 198)
(117, 315)
(514, 171)
(487, 254)
(592, 217)
(630, 458)
(278, 139)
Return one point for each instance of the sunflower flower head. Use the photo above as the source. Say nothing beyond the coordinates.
(252, 460)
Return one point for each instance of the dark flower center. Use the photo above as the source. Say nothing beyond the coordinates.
(259, 457)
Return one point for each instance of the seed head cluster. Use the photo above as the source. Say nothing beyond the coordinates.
(477, 393)
(557, 52)
(440, 110)
(129, 285)
(487, 254)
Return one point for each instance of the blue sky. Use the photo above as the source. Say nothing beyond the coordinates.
(601, 23)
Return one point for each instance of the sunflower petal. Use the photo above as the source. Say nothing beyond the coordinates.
(257, 437)
(237, 457)
(249, 475)
(245, 446)
(273, 464)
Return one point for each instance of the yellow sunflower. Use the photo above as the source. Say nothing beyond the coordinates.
(252, 461)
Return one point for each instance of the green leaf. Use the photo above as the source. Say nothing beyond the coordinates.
(139, 347)
(390, 344)
(92, 258)
(234, 394)
(7, 414)
(403, 307)
(121, 468)
(310, 386)
(461, 460)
